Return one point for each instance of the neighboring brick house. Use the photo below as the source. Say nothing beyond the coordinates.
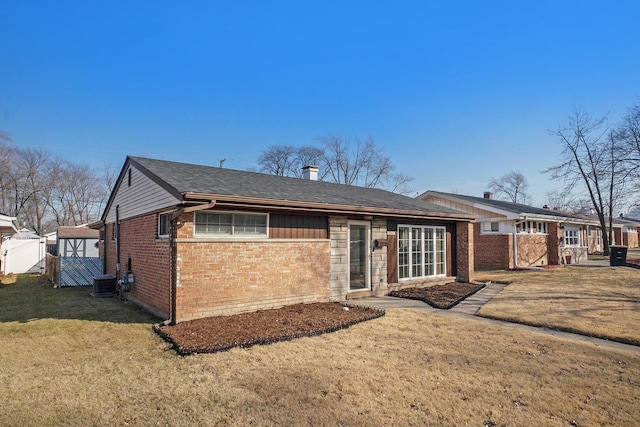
(511, 235)
(625, 231)
(203, 241)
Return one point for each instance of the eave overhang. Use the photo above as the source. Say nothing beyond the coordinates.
(328, 208)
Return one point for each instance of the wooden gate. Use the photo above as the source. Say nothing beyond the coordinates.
(77, 271)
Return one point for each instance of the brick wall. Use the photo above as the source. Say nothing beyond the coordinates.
(631, 239)
(218, 277)
(532, 249)
(617, 236)
(227, 277)
(554, 242)
(492, 251)
(149, 262)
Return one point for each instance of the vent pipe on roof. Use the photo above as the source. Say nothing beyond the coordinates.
(488, 195)
(310, 173)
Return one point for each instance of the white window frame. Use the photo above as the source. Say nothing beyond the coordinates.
(532, 227)
(571, 240)
(423, 251)
(490, 227)
(168, 224)
(232, 234)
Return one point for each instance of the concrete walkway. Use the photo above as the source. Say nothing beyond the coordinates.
(468, 308)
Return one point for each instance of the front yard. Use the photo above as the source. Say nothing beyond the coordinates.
(70, 359)
(596, 301)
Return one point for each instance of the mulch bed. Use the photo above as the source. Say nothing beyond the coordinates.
(213, 334)
(440, 296)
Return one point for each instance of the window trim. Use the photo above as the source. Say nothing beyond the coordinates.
(532, 227)
(577, 238)
(423, 252)
(232, 235)
(158, 233)
(490, 231)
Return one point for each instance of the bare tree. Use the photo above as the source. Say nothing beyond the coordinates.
(359, 163)
(566, 200)
(588, 161)
(79, 192)
(43, 192)
(278, 160)
(32, 165)
(513, 187)
(6, 158)
(307, 155)
(340, 159)
(627, 139)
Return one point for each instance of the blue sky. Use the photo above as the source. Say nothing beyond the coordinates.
(455, 92)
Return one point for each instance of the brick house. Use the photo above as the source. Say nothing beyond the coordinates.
(204, 241)
(511, 235)
(625, 231)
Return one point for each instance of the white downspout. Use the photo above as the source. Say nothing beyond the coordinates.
(515, 250)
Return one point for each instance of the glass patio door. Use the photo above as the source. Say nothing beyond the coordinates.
(359, 278)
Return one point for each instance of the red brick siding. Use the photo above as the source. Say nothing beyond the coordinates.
(464, 251)
(492, 250)
(553, 243)
(149, 260)
(617, 236)
(221, 278)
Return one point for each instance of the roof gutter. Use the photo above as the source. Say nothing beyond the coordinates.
(294, 205)
(538, 217)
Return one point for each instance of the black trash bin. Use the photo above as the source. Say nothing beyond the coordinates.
(618, 256)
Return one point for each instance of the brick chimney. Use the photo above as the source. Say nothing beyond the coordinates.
(310, 173)
(488, 195)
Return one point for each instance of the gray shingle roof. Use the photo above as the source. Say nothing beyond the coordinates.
(188, 178)
(67, 232)
(517, 208)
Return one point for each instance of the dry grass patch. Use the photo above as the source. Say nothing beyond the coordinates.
(596, 301)
(74, 367)
(7, 279)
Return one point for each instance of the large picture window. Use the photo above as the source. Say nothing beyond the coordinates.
(421, 252)
(230, 224)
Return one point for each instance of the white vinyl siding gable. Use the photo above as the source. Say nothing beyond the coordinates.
(143, 196)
